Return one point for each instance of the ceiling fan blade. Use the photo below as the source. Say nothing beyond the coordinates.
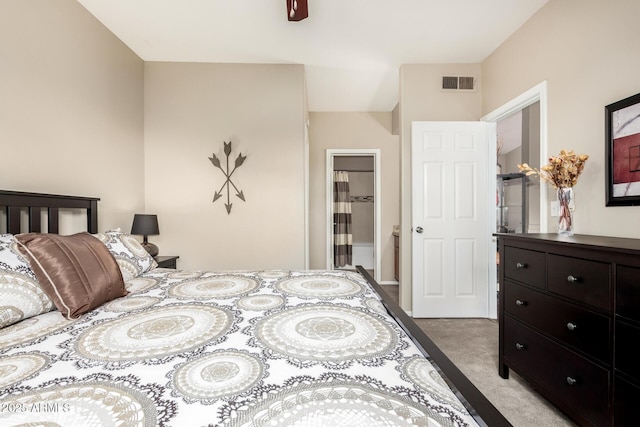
(297, 10)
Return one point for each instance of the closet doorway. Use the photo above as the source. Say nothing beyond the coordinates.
(357, 242)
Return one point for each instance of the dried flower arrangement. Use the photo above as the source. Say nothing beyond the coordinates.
(562, 171)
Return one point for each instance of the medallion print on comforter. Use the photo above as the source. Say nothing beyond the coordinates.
(255, 348)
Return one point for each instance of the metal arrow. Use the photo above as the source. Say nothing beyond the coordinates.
(238, 162)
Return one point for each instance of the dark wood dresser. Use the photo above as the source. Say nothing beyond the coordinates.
(569, 314)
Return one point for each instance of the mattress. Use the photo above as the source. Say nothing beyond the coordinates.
(241, 348)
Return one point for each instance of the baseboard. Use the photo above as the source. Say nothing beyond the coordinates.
(389, 282)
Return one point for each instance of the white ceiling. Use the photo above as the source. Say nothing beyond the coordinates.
(351, 49)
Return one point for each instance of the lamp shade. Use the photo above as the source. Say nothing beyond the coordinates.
(145, 225)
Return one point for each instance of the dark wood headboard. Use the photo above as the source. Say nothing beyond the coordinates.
(14, 202)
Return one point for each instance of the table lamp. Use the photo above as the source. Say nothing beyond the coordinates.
(146, 225)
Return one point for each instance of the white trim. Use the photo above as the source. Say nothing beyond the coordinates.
(331, 153)
(306, 194)
(329, 210)
(535, 94)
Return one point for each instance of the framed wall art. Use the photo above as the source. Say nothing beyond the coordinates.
(622, 128)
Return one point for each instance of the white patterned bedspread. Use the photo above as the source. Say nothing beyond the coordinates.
(266, 348)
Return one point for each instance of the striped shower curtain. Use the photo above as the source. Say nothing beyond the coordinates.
(342, 238)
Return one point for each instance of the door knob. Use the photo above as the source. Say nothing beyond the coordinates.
(419, 229)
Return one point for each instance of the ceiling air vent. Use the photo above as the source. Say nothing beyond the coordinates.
(459, 83)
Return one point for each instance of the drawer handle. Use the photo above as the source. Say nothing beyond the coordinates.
(571, 381)
(521, 265)
(573, 279)
(572, 326)
(520, 302)
(520, 346)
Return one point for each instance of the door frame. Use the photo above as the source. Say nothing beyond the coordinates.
(349, 152)
(537, 93)
(533, 95)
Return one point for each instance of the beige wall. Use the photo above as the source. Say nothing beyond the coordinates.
(190, 110)
(71, 105)
(350, 131)
(588, 52)
(421, 98)
(73, 111)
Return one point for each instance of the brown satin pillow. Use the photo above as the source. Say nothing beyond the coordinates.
(77, 272)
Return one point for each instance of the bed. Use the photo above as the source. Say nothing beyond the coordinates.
(205, 348)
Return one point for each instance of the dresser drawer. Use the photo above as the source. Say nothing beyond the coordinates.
(584, 281)
(626, 354)
(568, 378)
(573, 325)
(628, 292)
(525, 266)
(626, 397)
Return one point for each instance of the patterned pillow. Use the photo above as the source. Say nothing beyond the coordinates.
(21, 296)
(132, 258)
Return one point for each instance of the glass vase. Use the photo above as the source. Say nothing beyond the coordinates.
(565, 216)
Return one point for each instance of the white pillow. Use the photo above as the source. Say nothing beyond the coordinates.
(131, 256)
(21, 296)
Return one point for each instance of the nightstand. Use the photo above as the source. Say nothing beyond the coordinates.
(166, 261)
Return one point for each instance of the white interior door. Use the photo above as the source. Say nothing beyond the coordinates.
(450, 214)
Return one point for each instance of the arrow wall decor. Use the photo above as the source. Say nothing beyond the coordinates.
(227, 173)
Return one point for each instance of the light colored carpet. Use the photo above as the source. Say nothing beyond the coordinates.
(472, 344)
